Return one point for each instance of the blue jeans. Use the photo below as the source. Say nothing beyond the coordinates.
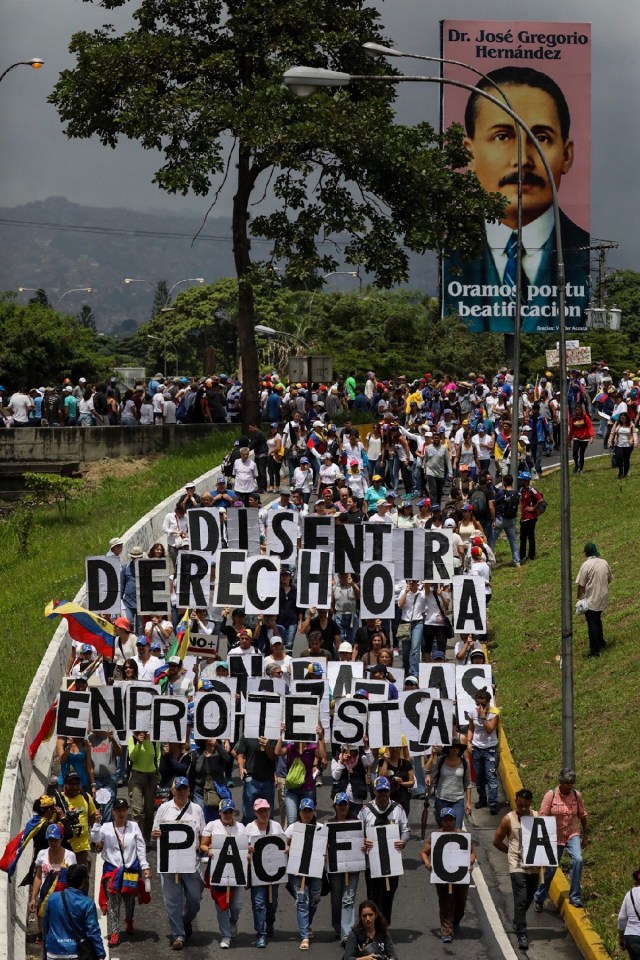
(485, 764)
(458, 806)
(412, 649)
(574, 849)
(347, 625)
(210, 813)
(110, 784)
(290, 633)
(181, 899)
(264, 913)
(418, 772)
(307, 901)
(343, 903)
(231, 914)
(509, 527)
(252, 790)
(292, 800)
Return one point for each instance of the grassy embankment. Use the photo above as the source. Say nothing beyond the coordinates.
(525, 615)
(53, 567)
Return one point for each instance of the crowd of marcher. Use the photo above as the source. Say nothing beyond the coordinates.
(448, 445)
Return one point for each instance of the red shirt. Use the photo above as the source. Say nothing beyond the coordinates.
(568, 811)
(581, 428)
(529, 503)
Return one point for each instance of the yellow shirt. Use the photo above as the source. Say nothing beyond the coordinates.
(86, 808)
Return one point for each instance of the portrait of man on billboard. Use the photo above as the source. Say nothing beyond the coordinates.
(483, 289)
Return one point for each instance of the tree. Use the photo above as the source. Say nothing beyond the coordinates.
(194, 76)
(86, 317)
(160, 298)
(41, 346)
(40, 297)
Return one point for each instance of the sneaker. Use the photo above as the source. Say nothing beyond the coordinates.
(234, 929)
(177, 944)
(230, 782)
(523, 941)
(396, 652)
(480, 805)
(537, 906)
(114, 939)
(261, 941)
(447, 938)
(128, 925)
(576, 903)
(225, 943)
(493, 811)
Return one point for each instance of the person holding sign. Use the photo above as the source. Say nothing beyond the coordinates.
(380, 812)
(181, 890)
(307, 888)
(369, 939)
(566, 805)
(227, 909)
(350, 773)
(524, 880)
(343, 885)
(483, 737)
(264, 897)
(451, 783)
(302, 760)
(452, 896)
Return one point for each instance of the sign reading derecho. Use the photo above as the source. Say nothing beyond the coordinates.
(545, 71)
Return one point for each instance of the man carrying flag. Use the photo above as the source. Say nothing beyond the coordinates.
(84, 626)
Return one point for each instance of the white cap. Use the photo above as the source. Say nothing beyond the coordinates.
(449, 522)
(345, 647)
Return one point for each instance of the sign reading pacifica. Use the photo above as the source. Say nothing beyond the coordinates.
(544, 71)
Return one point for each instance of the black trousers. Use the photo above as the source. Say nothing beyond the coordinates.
(436, 487)
(594, 626)
(623, 460)
(528, 538)
(524, 885)
(383, 898)
(579, 447)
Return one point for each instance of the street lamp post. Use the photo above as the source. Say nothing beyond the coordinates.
(271, 334)
(304, 81)
(164, 341)
(337, 273)
(35, 63)
(379, 50)
(75, 290)
(165, 309)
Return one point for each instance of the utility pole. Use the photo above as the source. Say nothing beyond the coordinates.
(600, 248)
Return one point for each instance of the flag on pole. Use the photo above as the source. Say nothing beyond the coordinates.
(84, 626)
(15, 847)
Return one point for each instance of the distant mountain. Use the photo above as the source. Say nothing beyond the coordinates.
(58, 245)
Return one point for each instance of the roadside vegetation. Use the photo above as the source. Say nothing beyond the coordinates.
(43, 549)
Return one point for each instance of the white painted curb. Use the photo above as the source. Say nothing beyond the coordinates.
(24, 780)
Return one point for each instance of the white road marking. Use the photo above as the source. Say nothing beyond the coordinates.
(492, 915)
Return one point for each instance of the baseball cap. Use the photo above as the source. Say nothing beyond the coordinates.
(376, 476)
(476, 552)
(173, 660)
(156, 645)
(307, 804)
(381, 783)
(227, 805)
(261, 804)
(437, 655)
(71, 775)
(274, 425)
(122, 622)
(345, 647)
(276, 638)
(449, 523)
(447, 812)
(142, 642)
(467, 507)
(121, 803)
(180, 782)
(54, 831)
(340, 798)
(361, 694)
(222, 665)
(304, 460)
(412, 680)
(190, 485)
(86, 648)
(315, 668)
(378, 668)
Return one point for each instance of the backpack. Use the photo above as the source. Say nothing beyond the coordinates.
(227, 466)
(510, 501)
(478, 501)
(296, 775)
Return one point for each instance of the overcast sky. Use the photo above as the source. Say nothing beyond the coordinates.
(37, 161)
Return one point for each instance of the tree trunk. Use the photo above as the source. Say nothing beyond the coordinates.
(242, 258)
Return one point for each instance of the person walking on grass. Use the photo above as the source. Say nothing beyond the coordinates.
(566, 805)
(594, 577)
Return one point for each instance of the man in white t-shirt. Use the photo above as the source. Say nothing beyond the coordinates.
(20, 406)
(158, 406)
(147, 664)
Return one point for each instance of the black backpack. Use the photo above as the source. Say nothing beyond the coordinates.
(478, 501)
(511, 502)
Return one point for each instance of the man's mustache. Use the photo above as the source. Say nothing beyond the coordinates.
(528, 179)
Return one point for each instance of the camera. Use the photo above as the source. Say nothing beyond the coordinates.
(73, 822)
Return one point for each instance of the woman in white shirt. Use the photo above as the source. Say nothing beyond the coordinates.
(49, 864)
(303, 478)
(629, 919)
(120, 844)
(228, 827)
(146, 411)
(328, 473)
(622, 442)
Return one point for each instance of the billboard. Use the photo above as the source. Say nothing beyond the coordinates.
(544, 70)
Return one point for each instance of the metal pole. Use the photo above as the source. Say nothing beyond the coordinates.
(566, 586)
(517, 323)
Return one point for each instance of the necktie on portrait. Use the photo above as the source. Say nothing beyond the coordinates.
(510, 270)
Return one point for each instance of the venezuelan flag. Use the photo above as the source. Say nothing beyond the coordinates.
(46, 730)
(15, 847)
(180, 645)
(84, 626)
(161, 674)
